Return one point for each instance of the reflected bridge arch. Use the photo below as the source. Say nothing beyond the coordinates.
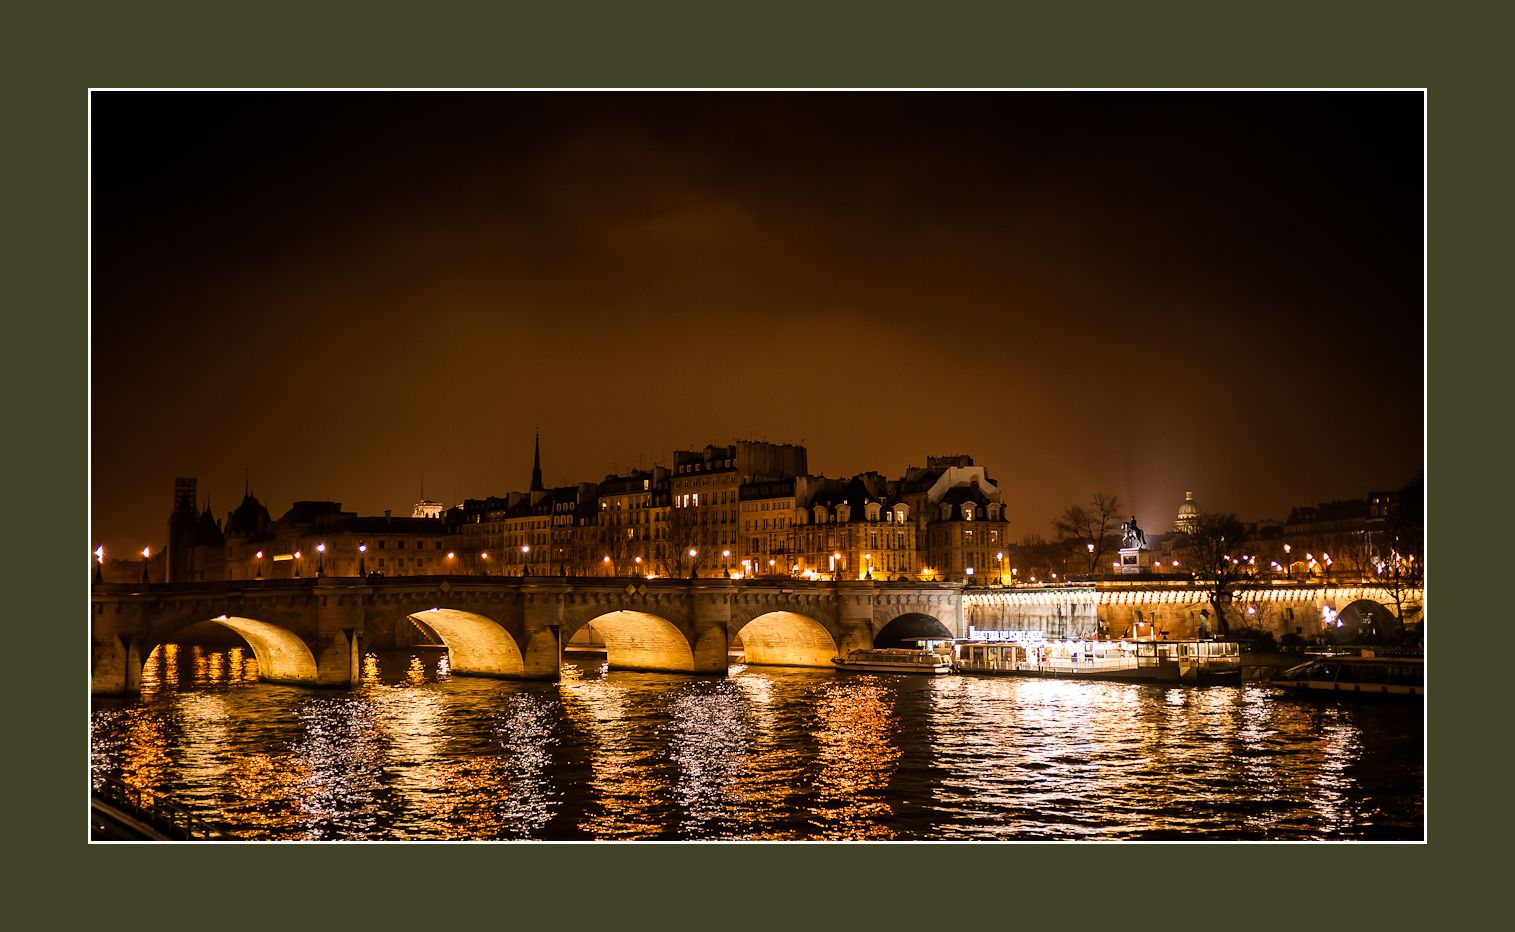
(904, 630)
(786, 639)
(477, 645)
(638, 640)
(282, 655)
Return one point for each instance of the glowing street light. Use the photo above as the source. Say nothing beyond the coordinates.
(639, 565)
(99, 563)
(362, 553)
(525, 560)
(320, 559)
(297, 563)
(693, 554)
(868, 557)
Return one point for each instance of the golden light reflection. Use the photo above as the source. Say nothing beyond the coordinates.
(624, 789)
(857, 755)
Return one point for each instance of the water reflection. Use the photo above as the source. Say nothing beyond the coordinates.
(767, 753)
(855, 737)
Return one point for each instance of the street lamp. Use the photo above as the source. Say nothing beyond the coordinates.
(362, 554)
(145, 553)
(606, 561)
(1000, 557)
(484, 563)
(452, 562)
(639, 565)
(869, 558)
(320, 559)
(693, 553)
(726, 563)
(99, 563)
(297, 563)
(836, 565)
(525, 560)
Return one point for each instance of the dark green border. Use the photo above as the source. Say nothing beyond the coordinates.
(1204, 45)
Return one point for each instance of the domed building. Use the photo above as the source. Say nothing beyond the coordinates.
(1187, 521)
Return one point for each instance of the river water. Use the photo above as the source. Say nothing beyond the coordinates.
(764, 754)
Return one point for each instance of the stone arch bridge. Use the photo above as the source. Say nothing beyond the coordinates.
(314, 631)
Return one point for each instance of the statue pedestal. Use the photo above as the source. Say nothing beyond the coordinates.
(1135, 560)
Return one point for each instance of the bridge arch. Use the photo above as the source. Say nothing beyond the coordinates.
(283, 656)
(786, 639)
(637, 640)
(902, 630)
(477, 645)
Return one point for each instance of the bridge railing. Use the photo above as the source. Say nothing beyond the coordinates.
(161, 812)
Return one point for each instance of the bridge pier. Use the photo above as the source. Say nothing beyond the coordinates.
(856, 621)
(117, 665)
(339, 633)
(710, 641)
(542, 654)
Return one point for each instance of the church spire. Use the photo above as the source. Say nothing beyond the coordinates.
(536, 465)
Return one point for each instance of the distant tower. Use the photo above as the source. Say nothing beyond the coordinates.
(1187, 521)
(182, 522)
(536, 466)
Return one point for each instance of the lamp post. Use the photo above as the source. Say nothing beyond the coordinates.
(868, 558)
(100, 563)
(639, 565)
(726, 563)
(525, 559)
(297, 563)
(1001, 558)
(320, 559)
(1092, 558)
(693, 554)
(484, 563)
(609, 569)
(362, 554)
(145, 554)
(1288, 564)
(836, 566)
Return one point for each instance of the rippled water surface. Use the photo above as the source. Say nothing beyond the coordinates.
(767, 753)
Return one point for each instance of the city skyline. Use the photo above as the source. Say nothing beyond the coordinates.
(345, 296)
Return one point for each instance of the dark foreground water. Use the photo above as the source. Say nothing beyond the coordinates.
(768, 753)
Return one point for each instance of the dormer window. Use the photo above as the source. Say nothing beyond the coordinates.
(871, 511)
(968, 511)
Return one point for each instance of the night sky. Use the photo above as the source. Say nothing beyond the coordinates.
(344, 295)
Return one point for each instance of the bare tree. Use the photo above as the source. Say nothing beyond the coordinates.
(1210, 544)
(684, 536)
(1087, 530)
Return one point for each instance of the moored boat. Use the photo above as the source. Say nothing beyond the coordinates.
(894, 660)
(1361, 675)
(1184, 662)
